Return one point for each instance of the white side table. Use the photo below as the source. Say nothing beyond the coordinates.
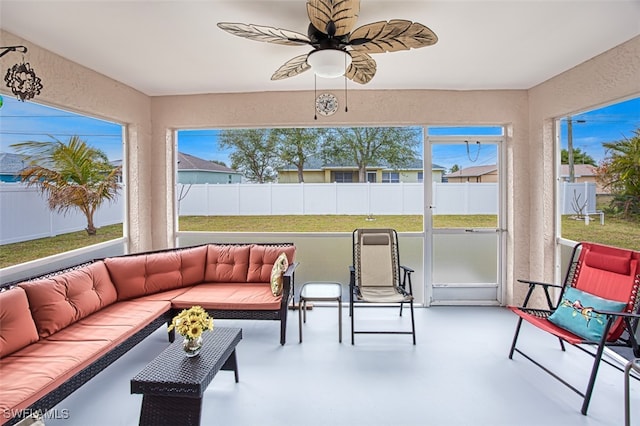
(320, 291)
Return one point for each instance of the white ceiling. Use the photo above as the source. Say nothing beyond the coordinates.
(175, 47)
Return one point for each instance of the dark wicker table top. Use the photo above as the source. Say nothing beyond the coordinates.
(173, 373)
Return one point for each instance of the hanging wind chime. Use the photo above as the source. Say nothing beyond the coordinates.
(21, 78)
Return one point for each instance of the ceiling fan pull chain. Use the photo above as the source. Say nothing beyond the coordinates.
(346, 101)
(315, 95)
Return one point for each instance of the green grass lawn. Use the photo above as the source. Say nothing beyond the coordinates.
(328, 223)
(615, 232)
(12, 254)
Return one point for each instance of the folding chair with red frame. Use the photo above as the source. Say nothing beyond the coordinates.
(597, 307)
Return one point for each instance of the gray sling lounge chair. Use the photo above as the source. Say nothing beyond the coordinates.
(376, 276)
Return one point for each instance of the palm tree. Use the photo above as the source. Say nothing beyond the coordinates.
(620, 172)
(72, 175)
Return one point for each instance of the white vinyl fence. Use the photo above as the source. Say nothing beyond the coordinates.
(25, 215)
(337, 198)
(360, 199)
(578, 198)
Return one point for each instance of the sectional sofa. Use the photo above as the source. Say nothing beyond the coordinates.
(59, 330)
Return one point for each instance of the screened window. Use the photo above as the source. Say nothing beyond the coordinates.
(390, 177)
(597, 200)
(29, 229)
(342, 177)
(299, 179)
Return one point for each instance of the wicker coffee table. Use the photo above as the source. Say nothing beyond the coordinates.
(173, 384)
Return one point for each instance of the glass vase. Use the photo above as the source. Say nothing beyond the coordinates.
(192, 346)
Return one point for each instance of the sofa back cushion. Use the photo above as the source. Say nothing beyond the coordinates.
(60, 300)
(193, 262)
(262, 258)
(128, 274)
(17, 328)
(145, 274)
(227, 263)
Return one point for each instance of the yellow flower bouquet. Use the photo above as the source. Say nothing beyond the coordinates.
(191, 323)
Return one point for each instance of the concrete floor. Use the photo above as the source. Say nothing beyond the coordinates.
(457, 374)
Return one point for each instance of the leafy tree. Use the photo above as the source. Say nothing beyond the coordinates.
(579, 157)
(454, 168)
(395, 147)
(72, 175)
(620, 172)
(297, 145)
(255, 153)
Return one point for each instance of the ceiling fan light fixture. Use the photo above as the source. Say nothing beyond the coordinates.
(329, 63)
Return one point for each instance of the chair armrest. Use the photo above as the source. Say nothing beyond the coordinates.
(539, 283)
(618, 314)
(627, 318)
(406, 277)
(352, 276)
(545, 287)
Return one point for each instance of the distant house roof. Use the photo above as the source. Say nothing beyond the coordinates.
(473, 171)
(578, 170)
(11, 164)
(316, 163)
(190, 162)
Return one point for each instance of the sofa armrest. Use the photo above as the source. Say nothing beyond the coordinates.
(288, 280)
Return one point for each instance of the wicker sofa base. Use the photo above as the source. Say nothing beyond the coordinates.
(52, 399)
(143, 267)
(280, 315)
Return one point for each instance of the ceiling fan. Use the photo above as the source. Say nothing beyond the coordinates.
(336, 46)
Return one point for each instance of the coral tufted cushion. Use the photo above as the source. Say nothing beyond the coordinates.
(140, 275)
(60, 300)
(193, 263)
(162, 272)
(227, 263)
(17, 328)
(262, 258)
(128, 274)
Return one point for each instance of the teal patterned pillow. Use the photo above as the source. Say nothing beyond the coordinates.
(575, 313)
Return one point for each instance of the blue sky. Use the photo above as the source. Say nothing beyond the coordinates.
(23, 121)
(29, 121)
(608, 124)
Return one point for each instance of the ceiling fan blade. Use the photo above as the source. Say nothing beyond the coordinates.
(292, 67)
(343, 13)
(264, 33)
(362, 68)
(392, 36)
